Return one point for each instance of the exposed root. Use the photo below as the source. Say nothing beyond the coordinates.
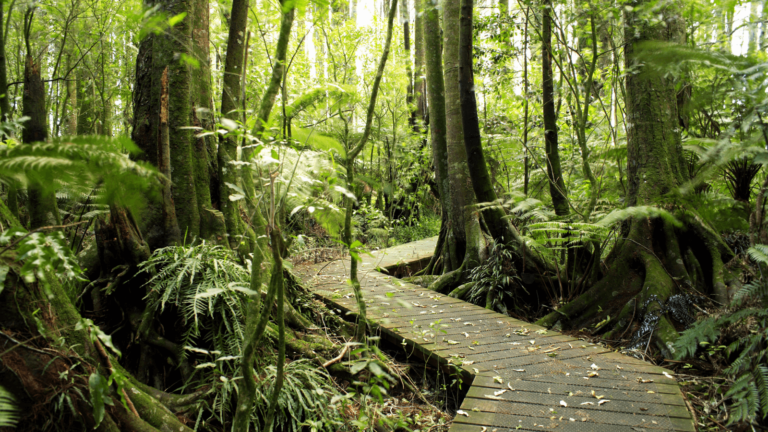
(656, 262)
(449, 281)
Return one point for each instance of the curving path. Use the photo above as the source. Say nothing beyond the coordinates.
(523, 377)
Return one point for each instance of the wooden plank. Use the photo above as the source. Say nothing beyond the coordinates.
(537, 367)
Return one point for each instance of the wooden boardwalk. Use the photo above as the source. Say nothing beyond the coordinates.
(523, 377)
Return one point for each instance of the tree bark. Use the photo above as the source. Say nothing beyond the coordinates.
(231, 102)
(43, 210)
(190, 157)
(655, 258)
(554, 172)
(493, 213)
(436, 101)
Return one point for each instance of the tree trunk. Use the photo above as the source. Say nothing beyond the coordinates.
(554, 172)
(419, 85)
(437, 117)
(186, 67)
(5, 109)
(42, 199)
(492, 212)
(231, 102)
(72, 92)
(655, 258)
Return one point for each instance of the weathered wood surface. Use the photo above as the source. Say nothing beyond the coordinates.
(540, 369)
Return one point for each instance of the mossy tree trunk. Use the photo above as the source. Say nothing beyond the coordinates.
(462, 240)
(30, 372)
(495, 217)
(655, 258)
(42, 207)
(554, 171)
(231, 103)
(172, 67)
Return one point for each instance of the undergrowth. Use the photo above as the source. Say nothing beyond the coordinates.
(732, 345)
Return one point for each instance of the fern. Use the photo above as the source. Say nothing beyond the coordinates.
(617, 216)
(9, 412)
(208, 289)
(80, 163)
(306, 394)
(748, 392)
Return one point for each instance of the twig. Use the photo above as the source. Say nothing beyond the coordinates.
(630, 322)
(338, 357)
(105, 356)
(19, 343)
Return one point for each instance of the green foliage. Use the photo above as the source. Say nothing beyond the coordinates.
(638, 212)
(83, 162)
(496, 283)
(307, 396)
(748, 355)
(206, 287)
(9, 412)
(427, 226)
(99, 392)
(42, 255)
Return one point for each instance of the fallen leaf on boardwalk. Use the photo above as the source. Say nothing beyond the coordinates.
(596, 396)
(519, 370)
(494, 397)
(595, 367)
(643, 409)
(651, 392)
(452, 342)
(498, 379)
(592, 374)
(603, 401)
(532, 341)
(510, 386)
(514, 343)
(476, 371)
(562, 403)
(551, 349)
(587, 403)
(644, 381)
(541, 332)
(468, 323)
(483, 429)
(667, 375)
(532, 349)
(465, 334)
(467, 363)
(500, 392)
(619, 367)
(462, 412)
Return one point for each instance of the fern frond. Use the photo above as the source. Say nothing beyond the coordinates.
(84, 162)
(638, 212)
(9, 411)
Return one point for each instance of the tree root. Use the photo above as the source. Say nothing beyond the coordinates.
(656, 261)
(449, 281)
